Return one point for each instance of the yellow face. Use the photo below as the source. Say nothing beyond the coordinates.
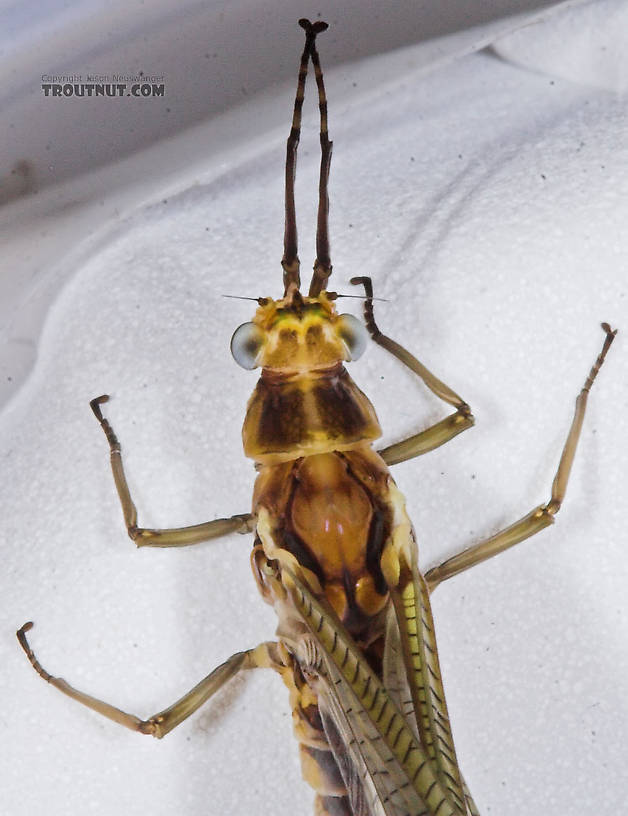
(296, 334)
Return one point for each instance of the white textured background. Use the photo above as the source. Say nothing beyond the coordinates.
(487, 199)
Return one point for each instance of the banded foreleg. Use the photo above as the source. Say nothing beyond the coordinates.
(436, 435)
(176, 536)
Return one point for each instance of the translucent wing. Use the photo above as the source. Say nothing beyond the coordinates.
(394, 672)
(380, 779)
(397, 686)
(363, 795)
(411, 673)
(384, 752)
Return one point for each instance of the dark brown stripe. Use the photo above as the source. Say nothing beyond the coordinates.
(282, 420)
(336, 407)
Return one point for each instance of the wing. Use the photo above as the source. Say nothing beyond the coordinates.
(411, 673)
(364, 797)
(388, 769)
(421, 670)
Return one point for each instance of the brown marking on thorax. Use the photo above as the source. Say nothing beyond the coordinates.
(331, 514)
(296, 414)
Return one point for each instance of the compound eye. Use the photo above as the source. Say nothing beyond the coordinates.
(353, 334)
(246, 343)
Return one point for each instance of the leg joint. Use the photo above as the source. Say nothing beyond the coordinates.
(465, 411)
(151, 727)
(552, 507)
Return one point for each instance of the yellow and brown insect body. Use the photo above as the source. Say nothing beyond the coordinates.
(328, 512)
(335, 552)
(328, 518)
(319, 768)
(305, 401)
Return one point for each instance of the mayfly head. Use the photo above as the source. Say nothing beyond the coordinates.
(298, 333)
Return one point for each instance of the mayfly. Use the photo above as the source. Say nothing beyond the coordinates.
(334, 551)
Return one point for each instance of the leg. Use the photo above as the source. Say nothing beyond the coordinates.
(265, 655)
(178, 536)
(541, 516)
(435, 435)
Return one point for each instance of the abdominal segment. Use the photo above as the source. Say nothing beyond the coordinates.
(319, 767)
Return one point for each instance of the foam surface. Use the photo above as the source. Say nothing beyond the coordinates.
(489, 203)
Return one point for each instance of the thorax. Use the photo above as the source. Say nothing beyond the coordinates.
(332, 513)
